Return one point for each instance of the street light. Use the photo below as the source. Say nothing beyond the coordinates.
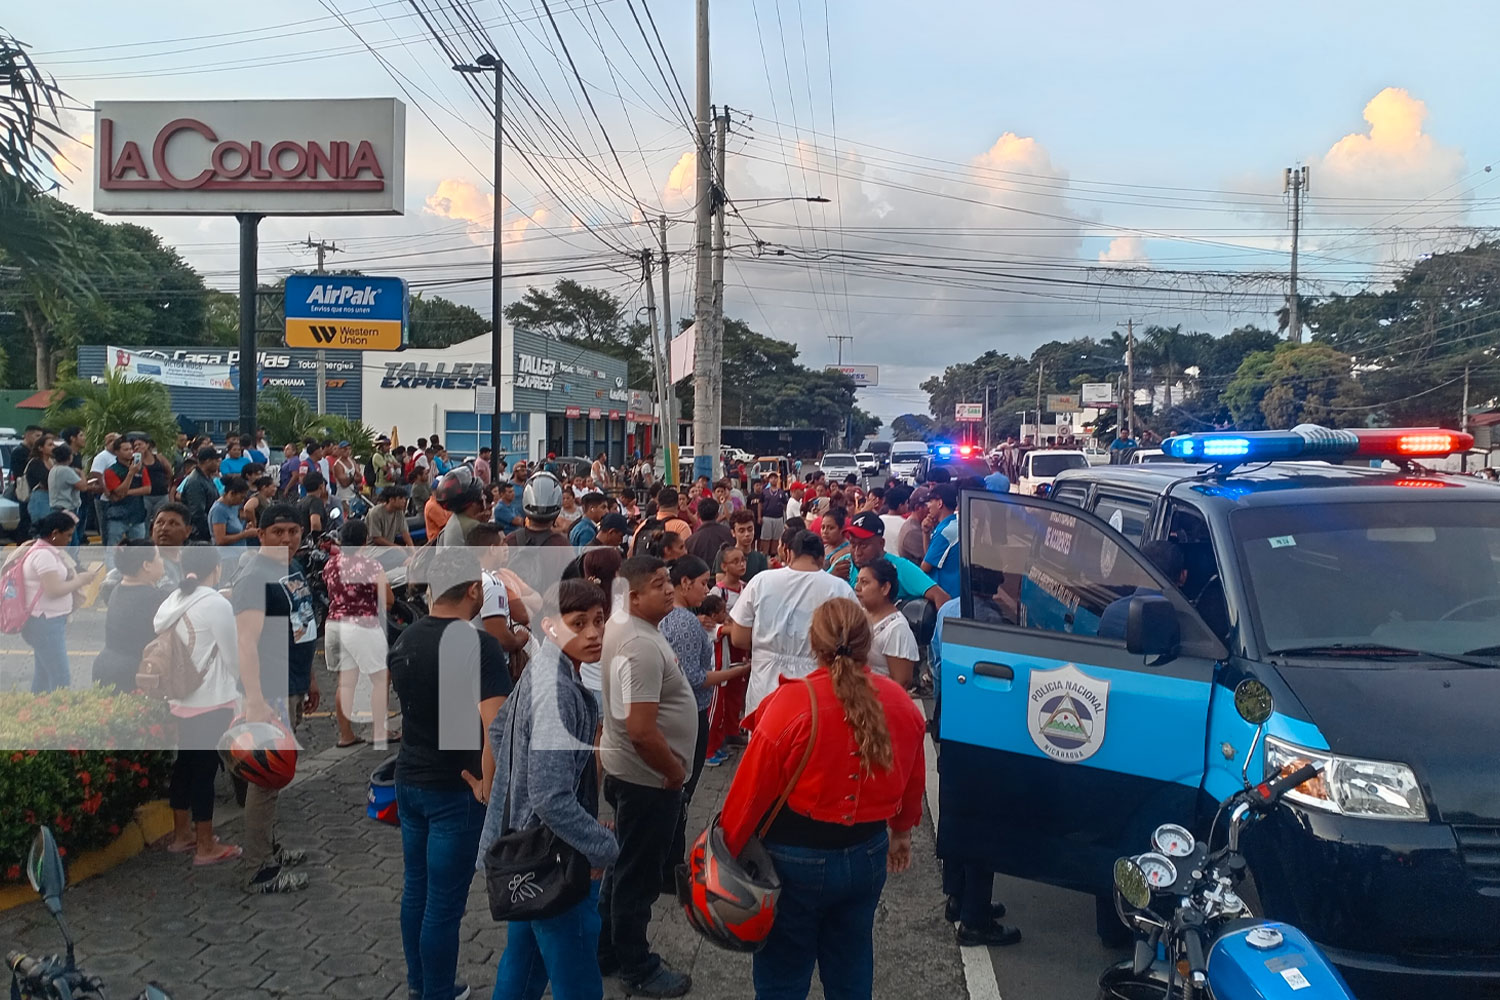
(486, 63)
(816, 199)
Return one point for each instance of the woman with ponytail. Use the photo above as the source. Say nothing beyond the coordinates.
(204, 620)
(849, 743)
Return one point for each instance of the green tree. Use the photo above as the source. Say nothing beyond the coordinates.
(337, 427)
(1412, 342)
(29, 135)
(913, 427)
(1294, 384)
(439, 322)
(114, 403)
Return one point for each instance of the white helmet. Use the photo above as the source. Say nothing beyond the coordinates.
(542, 498)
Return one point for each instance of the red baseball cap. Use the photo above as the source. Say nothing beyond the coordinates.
(865, 525)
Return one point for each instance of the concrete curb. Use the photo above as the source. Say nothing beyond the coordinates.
(152, 822)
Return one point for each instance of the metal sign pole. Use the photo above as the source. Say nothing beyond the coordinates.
(249, 265)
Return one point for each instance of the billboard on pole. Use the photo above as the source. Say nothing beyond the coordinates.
(863, 375)
(1062, 402)
(968, 412)
(1098, 394)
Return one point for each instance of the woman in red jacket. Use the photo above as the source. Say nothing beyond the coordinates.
(850, 814)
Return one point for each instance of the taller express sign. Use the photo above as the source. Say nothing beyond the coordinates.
(315, 157)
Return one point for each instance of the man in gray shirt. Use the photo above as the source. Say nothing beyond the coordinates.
(650, 732)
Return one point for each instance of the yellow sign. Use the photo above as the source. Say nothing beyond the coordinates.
(345, 335)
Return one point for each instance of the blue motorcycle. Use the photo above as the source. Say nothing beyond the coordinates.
(1195, 937)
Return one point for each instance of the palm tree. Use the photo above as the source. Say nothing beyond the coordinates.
(1170, 352)
(1305, 305)
(29, 134)
(114, 402)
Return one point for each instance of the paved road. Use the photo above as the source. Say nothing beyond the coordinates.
(184, 927)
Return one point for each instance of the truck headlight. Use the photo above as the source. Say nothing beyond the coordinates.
(1348, 786)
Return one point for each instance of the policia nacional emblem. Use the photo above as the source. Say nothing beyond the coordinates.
(1066, 711)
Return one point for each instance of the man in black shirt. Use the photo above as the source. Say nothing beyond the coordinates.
(198, 492)
(712, 534)
(314, 506)
(278, 632)
(443, 668)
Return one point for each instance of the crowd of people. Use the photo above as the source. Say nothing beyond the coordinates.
(681, 626)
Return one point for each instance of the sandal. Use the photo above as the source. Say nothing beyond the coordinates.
(174, 847)
(352, 743)
(226, 852)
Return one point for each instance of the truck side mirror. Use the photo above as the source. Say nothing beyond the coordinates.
(1151, 627)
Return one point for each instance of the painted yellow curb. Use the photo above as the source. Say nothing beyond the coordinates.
(152, 822)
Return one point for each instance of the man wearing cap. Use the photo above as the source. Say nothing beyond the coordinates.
(613, 528)
(912, 542)
(380, 464)
(278, 633)
(866, 534)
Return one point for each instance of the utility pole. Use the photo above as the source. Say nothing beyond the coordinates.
(322, 247)
(705, 402)
(1294, 180)
(839, 338)
(667, 389)
(487, 62)
(1041, 366)
(716, 283)
(663, 376)
(1463, 421)
(1129, 399)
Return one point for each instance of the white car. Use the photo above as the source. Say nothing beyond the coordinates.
(837, 466)
(1144, 456)
(10, 508)
(1040, 467)
(868, 463)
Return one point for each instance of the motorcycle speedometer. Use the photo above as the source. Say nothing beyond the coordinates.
(1173, 841)
(1160, 872)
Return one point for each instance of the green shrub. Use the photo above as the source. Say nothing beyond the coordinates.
(71, 760)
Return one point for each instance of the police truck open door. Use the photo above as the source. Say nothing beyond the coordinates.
(1061, 748)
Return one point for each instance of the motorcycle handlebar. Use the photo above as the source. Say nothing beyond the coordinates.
(1272, 791)
(1192, 940)
(24, 966)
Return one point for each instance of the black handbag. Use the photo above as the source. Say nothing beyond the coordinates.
(532, 874)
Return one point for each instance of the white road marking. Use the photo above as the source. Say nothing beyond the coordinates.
(979, 967)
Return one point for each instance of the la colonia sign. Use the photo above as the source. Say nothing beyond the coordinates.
(314, 157)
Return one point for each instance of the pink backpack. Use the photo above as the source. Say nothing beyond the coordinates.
(14, 611)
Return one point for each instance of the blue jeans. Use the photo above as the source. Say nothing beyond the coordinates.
(824, 917)
(115, 531)
(559, 950)
(439, 845)
(48, 639)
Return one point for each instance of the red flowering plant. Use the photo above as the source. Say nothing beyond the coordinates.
(80, 762)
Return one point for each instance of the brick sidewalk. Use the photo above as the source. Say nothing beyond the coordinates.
(201, 936)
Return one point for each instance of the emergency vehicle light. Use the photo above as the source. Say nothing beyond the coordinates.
(945, 450)
(965, 450)
(1307, 441)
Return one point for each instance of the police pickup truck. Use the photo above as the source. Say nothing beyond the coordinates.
(1086, 697)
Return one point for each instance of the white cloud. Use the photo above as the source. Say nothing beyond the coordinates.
(1128, 250)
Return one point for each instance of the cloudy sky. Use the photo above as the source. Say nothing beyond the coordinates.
(998, 174)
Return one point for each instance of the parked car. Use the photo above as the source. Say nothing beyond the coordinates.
(838, 465)
(1144, 456)
(868, 463)
(1039, 468)
(906, 460)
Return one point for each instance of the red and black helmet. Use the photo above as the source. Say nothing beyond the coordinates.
(730, 901)
(262, 753)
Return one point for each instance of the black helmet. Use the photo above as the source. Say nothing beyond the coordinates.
(459, 489)
(542, 498)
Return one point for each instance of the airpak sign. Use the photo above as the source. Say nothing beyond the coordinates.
(335, 157)
(353, 313)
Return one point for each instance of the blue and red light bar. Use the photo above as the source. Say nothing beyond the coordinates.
(1309, 441)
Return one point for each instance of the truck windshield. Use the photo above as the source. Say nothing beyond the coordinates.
(1047, 466)
(1421, 575)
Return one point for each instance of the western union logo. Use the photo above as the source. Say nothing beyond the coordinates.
(354, 335)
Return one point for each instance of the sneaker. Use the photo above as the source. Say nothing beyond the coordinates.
(664, 982)
(461, 991)
(992, 934)
(273, 880)
(290, 857)
(717, 759)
